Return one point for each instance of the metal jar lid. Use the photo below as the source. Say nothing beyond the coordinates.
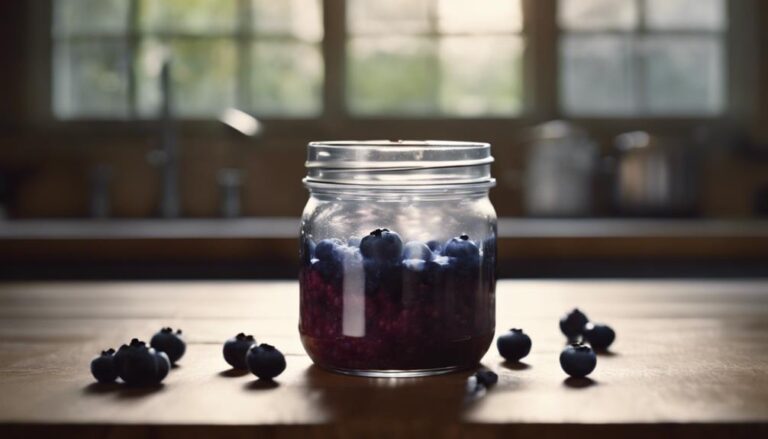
(402, 163)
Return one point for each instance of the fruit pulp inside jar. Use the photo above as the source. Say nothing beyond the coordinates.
(361, 314)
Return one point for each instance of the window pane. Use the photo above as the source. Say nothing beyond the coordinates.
(202, 76)
(90, 79)
(299, 18)
(684, 75)
(387, 16)
(286, 78)
(595, 75)
(392, 75)
(597, 14)
(685, 14)
(480, 75)
(479, 16)
(90, 16)
(195, 16)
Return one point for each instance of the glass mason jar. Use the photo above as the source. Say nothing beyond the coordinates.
(398, 257)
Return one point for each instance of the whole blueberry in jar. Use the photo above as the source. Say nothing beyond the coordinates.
(398, 257)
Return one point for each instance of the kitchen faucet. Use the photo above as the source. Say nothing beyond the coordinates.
(167, 155)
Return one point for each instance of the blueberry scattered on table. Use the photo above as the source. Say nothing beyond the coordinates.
(514, 345)
(265, 361)
(599, 336)
(169, 342)
(572, 324)
(138, 365)
(479, 382)
(163, 366)
(103, 367)
(486, 377)
(578, 360)
(236, 348)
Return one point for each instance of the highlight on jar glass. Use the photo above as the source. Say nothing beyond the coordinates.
(398, 257)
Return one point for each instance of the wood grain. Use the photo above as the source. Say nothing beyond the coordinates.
(690, 360)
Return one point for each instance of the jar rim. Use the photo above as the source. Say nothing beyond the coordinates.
(401, 143)
(413, 163)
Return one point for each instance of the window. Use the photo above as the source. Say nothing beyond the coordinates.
(642, 57)
(427, 59)
(434, 57)
(259, 55)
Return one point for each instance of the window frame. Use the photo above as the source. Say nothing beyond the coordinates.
(540, 75)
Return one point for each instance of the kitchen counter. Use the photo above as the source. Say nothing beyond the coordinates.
(267, 248)
(287, 228)
(690, 360)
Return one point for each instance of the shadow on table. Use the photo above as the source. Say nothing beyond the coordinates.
(101, 388)
(259, 384)
(121, 390)
(515, 365)
(233, 373)
(128, 392)
(579, 383)
(606, 353)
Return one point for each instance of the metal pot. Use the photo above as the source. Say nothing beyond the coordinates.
(559, 173)
(655, 176)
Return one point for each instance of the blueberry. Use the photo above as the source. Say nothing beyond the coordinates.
(480, 381)
(382, 245)
(474, 387)
(138, 365)
(572, 324)
(578, 360)
(236, 348)
(514, 345)
(103, 367)
(486, 377)
(464, 252)
(169, 342)
(417, 250)
(326, 249)
(265, 361)
(435, 246)
(599, 336)
(163, 365)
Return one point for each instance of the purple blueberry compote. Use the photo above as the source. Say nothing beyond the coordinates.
(379, 304)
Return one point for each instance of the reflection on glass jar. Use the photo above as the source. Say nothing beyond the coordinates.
(398, 255)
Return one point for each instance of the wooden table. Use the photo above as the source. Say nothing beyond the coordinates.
(690, 360)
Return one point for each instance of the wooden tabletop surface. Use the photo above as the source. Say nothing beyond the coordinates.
(690, 360)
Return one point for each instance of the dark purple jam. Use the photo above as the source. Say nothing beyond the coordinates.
(379, 304)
